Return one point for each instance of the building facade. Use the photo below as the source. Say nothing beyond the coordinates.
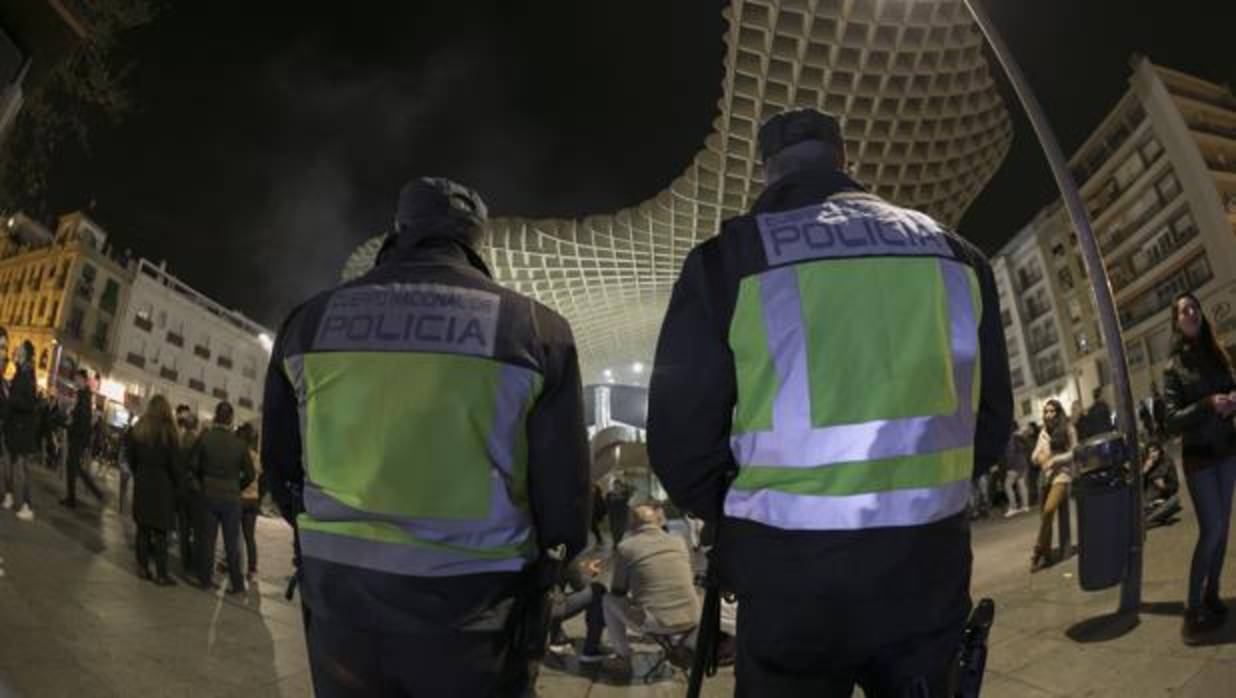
(64, 293)
(1159, 180)
(177, 342)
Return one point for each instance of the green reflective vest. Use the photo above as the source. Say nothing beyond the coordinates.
(414, 438)
(857, 369)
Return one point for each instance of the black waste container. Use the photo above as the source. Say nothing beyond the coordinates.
(1104, 512)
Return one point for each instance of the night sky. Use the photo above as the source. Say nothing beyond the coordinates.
(269, 142)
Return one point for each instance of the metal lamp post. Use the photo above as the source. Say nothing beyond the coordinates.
(1109, 322)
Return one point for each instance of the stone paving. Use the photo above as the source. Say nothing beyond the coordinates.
(75, 621)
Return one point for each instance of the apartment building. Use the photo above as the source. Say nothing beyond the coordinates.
(1159, 180)
(176, 341)
(64, 292)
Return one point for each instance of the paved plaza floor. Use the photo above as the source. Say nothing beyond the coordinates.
(75, 621)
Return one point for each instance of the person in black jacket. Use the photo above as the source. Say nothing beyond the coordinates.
(221, 464)
(851, 557)
(19, 433)
(1200, 402)
(420, 384)
(188, 495)
(81, 431)
(151, 448)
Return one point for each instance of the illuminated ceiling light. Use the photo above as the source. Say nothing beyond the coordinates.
(638, 367)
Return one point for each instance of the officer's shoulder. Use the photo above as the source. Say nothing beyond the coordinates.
(544, 316)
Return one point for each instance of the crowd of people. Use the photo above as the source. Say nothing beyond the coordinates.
(1197, 408)
(186, 483)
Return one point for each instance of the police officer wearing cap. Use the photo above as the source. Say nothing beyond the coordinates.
(423, 431)
(830, 374)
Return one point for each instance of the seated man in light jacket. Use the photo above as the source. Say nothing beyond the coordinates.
(653, 585)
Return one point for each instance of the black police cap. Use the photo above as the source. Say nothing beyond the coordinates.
(795, 126)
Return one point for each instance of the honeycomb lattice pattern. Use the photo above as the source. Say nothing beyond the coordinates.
(923, 123)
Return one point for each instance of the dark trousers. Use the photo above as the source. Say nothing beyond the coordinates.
(619, 515)
(248, 527)
(1211, 489)
(152, 542)
(75, 468)
(794, 648)
(590, 602)
(187, 521)
(347, 662)
(216, 512)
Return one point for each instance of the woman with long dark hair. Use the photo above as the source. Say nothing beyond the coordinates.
(1053, 454)
(152, 447)
(1200, 407)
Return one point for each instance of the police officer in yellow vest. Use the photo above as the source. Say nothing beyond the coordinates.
(842, 360)
(423, 428)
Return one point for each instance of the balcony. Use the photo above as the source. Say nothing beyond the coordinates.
(175, 340)
(136, 359)
(219, 393)
(170, 374)
(1191, 277)
(225, 362)
(1215, 129)
(1139, 263)
(201, 351)
(1034, 310)
(142, 323)
(1041, 344)
(197, 385)
(245, 403)
(1054, 371)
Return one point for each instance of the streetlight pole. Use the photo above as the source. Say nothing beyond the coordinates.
(1109, 322)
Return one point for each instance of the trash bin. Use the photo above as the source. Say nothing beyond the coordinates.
(1104, 511)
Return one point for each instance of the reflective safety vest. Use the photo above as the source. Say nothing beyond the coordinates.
(414, 436)
(857, 365)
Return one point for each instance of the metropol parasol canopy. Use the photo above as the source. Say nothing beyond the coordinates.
(923, 123)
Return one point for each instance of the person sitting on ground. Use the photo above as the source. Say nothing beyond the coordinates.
(653, 585)
(584, 594)
(1161, 486)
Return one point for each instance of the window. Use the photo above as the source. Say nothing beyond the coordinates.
(85, 285)
(1168, 186)
(1075, 310)
(1151, 149)
(110, 299)
(77, 318)
(99, 341)
(1128, 171)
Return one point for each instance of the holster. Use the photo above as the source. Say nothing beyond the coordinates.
(533, 611)
(708, 640)
(972, 658)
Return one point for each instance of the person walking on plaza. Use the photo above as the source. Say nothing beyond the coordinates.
(830, 376)
(1053, 455)
(81, 433)
(19, 436)
(151, 449)
(188, 492)
(221, 464)
(250, 502)
(1200, 403)
(423, 430)
(1016, 467)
